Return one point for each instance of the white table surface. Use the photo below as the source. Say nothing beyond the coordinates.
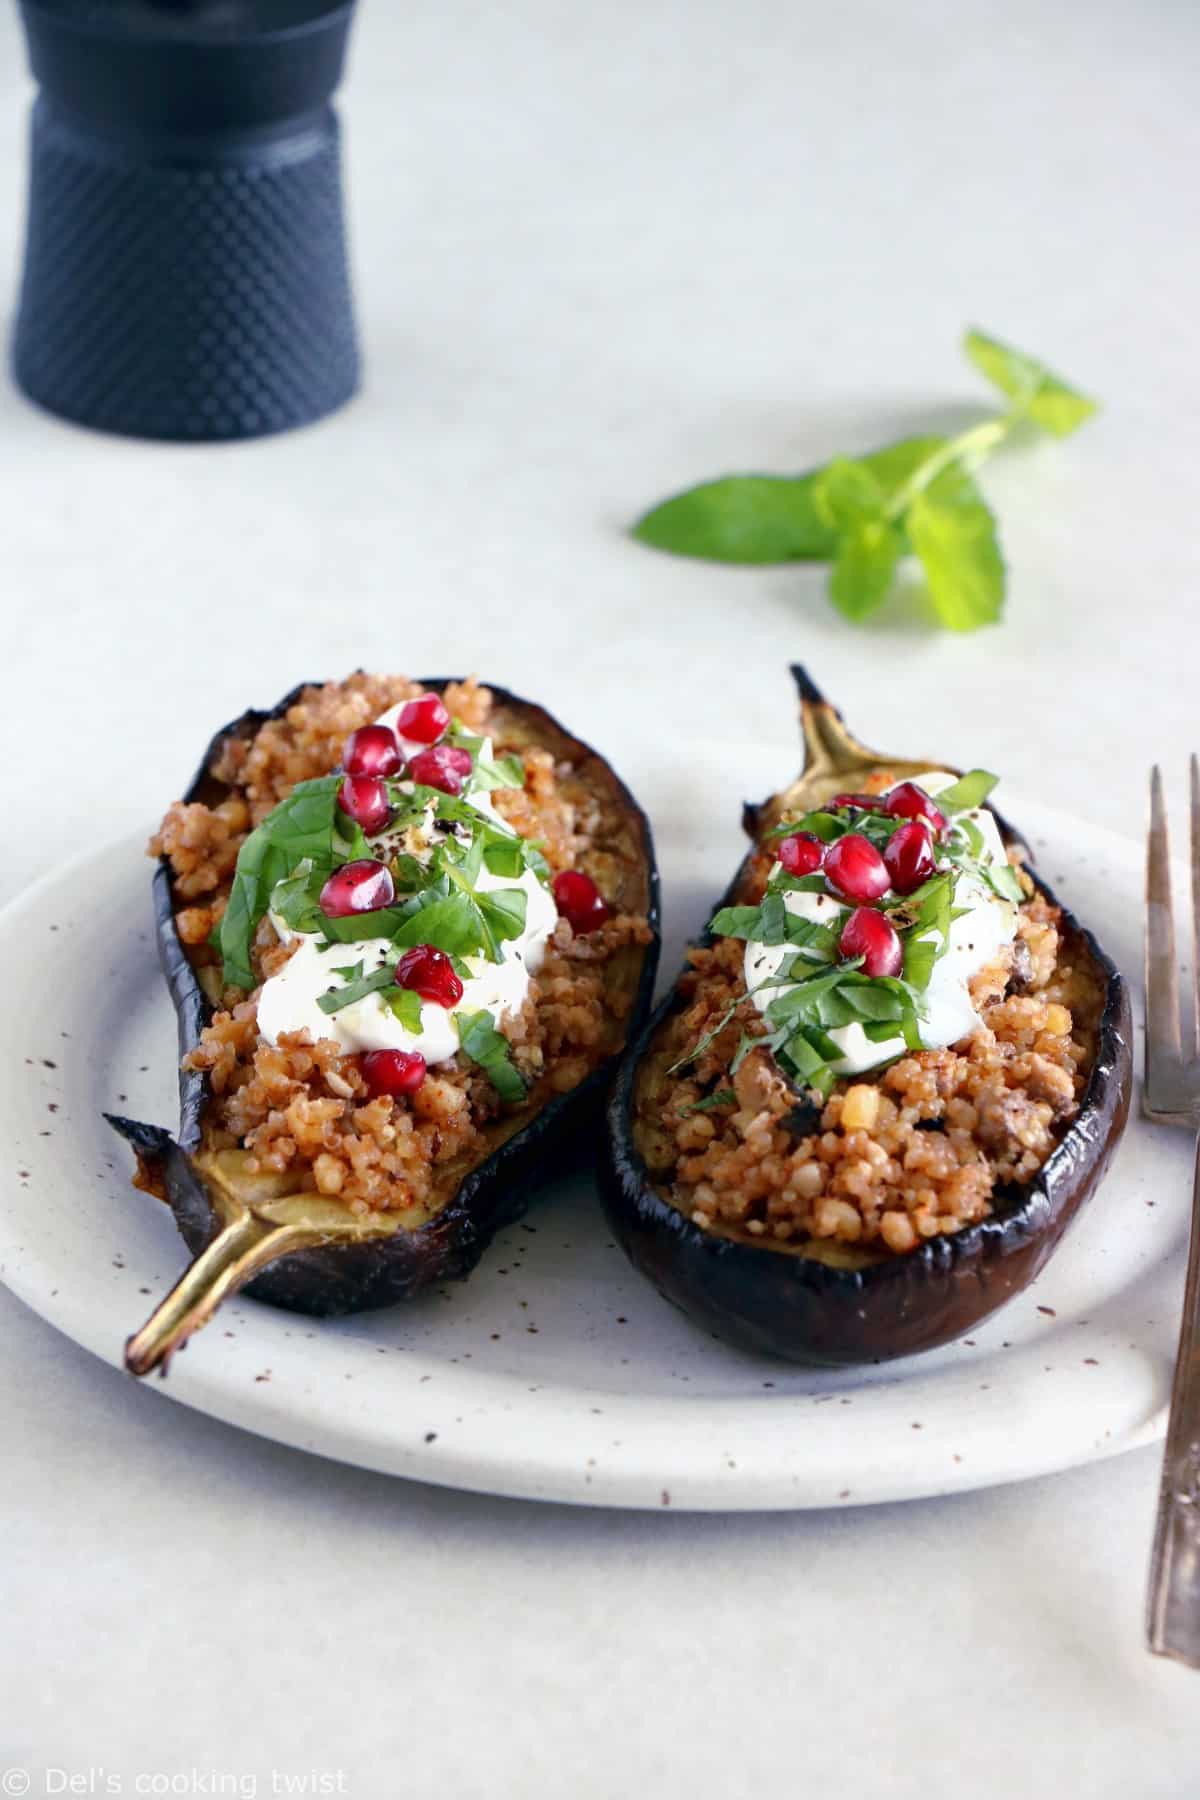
(601, 253)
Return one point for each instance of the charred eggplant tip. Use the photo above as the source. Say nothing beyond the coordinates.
(807, 688)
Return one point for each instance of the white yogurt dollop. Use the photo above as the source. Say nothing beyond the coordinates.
(988, 925)
(288, 1001)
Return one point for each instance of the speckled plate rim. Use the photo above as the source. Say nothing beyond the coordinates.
(584, 1429)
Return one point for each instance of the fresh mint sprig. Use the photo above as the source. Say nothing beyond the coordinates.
(864, 515)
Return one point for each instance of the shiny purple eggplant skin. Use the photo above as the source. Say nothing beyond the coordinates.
(353, 1277)
(784, 1304)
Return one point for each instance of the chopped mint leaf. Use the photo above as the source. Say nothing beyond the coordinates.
(697, 1050)
(503, 910)
(295, 900)
(300, 828)
(735, 922)
(783, 883)
(973, 835)
(968, 792)
(880, 1032)
(722, 1097)
(409, 874)
(746, 1044)
(920, 956)
(825, 825)
(374, 983)
(483, 1045)
(504, 772)
(462, 739)
(407, 1007)
(505, 858)
(449, 922)
(1003, 877)
(349, 838)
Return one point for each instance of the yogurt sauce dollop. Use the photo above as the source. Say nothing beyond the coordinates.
(988, 924)
(287, 1002)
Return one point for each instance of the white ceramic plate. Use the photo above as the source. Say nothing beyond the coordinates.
(556, 1372)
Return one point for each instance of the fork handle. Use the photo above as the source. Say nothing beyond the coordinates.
(1173, 1603)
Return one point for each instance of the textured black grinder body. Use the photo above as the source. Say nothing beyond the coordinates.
(185, 272)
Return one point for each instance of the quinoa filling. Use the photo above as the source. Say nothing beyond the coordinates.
(835, 1105)
(458, 888)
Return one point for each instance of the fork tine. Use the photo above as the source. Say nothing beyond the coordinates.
(1195, 904)
(1162, 993)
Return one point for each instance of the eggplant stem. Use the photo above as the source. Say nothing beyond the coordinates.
(242, 1246)
(830, 749)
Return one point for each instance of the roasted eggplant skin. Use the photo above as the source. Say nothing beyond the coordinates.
(786, 1304)
(342, 1277)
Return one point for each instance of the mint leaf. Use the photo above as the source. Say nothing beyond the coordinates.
(896, 463)
(953, 532)
(1045, 397)
(483, 1045)
(847, 492)
(867, 554)
(755, 519)
(741, 519)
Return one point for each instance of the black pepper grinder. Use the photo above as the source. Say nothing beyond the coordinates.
(185, 263)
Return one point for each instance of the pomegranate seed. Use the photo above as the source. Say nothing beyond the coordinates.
(372, 750)
(364, 798)
(430, 973)
(357, 887)
(393, 1072)
(579, 900)
(908, 801)
(423, 721)
(869, 934)
(860, 802)
(443, 767)
(908, 854)
(856, 869)
(802, 854)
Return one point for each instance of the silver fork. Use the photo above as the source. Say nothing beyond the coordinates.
(1171, 1094)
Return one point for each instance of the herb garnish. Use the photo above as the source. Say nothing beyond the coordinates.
(722, 1097)
(863, 515)
(284, 864)
(300, 829)
(813, 993)
(490, 1050)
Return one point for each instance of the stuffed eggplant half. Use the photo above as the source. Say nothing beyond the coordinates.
(407, 928)
(888, 1077)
